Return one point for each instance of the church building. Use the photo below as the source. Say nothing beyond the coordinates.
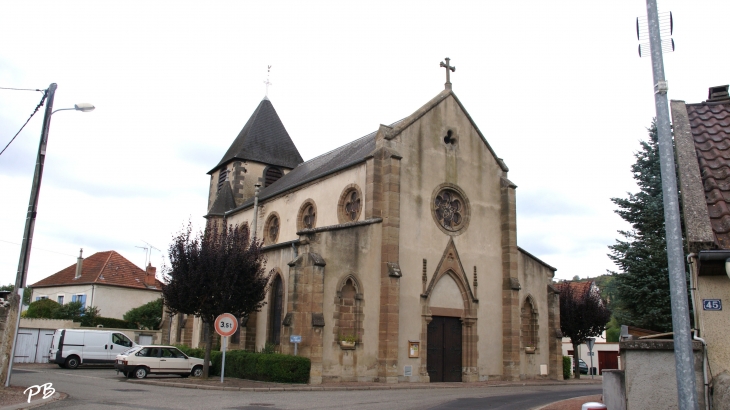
(394, 256)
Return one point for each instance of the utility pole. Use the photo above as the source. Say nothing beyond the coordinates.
(683, 358)
(29, 226)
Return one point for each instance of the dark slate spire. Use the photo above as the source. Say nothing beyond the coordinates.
(224, 201)
(263, 139)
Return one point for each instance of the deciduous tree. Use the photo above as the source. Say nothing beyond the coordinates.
(147, 316)
(583, 314)
(219, 270)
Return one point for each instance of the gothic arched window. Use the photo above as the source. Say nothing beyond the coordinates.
(276, 300)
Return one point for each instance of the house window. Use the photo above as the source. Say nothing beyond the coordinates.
(60, 300)
(81, 299)
(40, 298)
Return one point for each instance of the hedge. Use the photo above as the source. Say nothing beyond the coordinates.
(566, 367)
(257, 366)
(107, 322)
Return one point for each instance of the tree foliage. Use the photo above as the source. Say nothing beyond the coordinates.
(583, 314)
(219, 270)
(640, 293)
(43, 308)
(147, 316)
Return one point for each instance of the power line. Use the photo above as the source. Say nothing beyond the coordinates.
(40, 104)
(21, 89)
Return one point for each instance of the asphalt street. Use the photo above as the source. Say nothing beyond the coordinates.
(102, 389)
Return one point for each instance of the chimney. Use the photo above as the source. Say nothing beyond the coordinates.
(719, 93)
(79, 264)
(149, 277)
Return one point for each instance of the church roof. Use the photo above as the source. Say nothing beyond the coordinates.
(354, 153)
(102, 268)
(224, 201)
(263, 139)
(338, 159)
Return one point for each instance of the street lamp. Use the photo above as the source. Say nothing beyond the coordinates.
(32, 211)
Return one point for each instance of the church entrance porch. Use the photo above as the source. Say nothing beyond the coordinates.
(444, 349)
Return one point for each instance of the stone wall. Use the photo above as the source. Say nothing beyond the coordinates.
(650, 375)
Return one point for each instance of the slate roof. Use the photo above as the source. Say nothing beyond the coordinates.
(333, 161)
(263, 139)
(102, 268)
(224, 201)
(710, 127)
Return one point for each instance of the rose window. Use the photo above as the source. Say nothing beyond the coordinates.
(352, 206)
(308, 218)
(449, 209)
(273, 230)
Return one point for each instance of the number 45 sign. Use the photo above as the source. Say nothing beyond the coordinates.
(711, 304)
(226, 324)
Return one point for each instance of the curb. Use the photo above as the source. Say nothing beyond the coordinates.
(405, 386)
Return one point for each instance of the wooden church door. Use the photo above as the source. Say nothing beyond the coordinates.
(444, 349)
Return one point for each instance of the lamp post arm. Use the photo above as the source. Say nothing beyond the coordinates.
(62, 109)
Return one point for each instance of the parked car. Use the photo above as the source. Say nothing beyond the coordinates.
(582, 366)
(140, 361)
(73, 347)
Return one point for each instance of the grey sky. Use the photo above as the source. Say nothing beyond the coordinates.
(556, 87)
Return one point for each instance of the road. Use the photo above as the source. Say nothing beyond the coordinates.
(102, 389)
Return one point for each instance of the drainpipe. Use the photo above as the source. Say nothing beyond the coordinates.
(704, 371)
(255, 210)
(692, 291)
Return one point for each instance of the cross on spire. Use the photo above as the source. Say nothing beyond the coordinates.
(267, 83)
(448, 75)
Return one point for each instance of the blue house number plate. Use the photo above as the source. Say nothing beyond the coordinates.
(711, 304)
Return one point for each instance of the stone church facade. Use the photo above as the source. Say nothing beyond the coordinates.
(403, 241)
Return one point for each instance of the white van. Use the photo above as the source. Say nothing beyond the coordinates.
(73, 347)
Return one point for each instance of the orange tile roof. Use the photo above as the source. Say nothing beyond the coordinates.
(102, 268)
(579, 288)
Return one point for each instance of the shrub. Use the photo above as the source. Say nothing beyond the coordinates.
(107, 322)
(43, 308)
(566, 367)
(147, 316)
(271, 367)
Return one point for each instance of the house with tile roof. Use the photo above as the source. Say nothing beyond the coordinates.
(403, 240)
(106, 280)
(702, 144)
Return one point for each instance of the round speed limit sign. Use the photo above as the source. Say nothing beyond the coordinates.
(226, 324)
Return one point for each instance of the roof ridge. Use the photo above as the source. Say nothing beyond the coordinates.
(103, 266)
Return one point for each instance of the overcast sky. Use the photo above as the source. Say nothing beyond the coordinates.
(557, 88)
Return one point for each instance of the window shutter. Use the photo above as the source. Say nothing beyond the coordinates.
(74, 297)
(82, 299)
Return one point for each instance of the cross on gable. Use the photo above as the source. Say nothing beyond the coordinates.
(448, 75)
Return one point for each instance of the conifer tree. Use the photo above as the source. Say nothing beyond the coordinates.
(640, 292)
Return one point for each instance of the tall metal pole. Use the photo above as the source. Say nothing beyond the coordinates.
(30, 220)
(683, 357)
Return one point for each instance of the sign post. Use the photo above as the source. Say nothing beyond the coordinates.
(296, 339)
(590, 341)
(225, 325)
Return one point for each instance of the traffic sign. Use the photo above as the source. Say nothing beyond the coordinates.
(295, 339)
(226, 324)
